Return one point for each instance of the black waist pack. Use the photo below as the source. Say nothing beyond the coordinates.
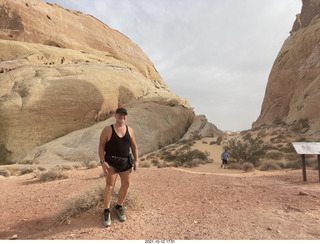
(120, 164)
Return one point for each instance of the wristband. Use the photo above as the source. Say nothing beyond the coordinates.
(102, 161)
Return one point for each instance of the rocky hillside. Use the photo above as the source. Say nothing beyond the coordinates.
(63, 74)
(292, 93)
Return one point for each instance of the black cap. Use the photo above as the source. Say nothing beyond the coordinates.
(121, 110)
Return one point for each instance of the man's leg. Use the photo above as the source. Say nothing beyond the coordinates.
(110, 182)
(125, 183)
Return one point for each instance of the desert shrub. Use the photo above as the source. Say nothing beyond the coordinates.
(294, 165)
(196, 136)
(92, 164)
(79, 203)
(53, 174)
(292, 156)
(274, 155)
(288, 149)
(192, 163)
(41, 168)
(77, 165)
(249, 151)
(281, 165)
(155, 161)
(4, 155)
(247, 167)
(262, 133)
(212, 143)
(247, 136)
(144, 164)
(278, 121)
(301, 124)
(185, 147)
(269, 166)
(234, 165)
(4, 172)
(26, 170)
(65, 167)
(180, 157)
(219, 140)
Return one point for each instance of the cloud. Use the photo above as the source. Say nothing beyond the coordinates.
(216, 53)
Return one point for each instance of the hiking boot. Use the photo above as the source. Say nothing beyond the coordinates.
(120, 214)
(106, 219)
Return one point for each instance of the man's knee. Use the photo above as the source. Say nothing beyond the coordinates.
(109, 188)
(125, 184)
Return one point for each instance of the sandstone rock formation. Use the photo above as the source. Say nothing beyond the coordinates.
(292, 92)
(62, 71)
(154, 124)
(201, 127)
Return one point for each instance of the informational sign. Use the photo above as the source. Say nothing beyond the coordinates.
(307, 147)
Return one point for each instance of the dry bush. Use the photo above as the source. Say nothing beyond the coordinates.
(234, 165)
(26, 170)
(269, 166)
(79, 203)
(247, 167)
(64, 167)
(53, 174)
(4, 172)
(155, 161)
(92, 164)
(145, 164)
(292, 156)
(91, 199)
(275, 155)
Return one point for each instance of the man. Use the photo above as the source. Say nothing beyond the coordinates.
(114, 147)
(224, 157)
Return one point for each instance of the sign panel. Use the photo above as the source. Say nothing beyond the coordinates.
(307, 147)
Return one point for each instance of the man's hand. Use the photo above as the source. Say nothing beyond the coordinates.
(105, 167)
(135, 165)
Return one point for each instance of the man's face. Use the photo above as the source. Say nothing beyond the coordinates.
(121, 117)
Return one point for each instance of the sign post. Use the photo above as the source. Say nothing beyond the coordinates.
(304, 148)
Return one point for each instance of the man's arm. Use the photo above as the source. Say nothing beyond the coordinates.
(104, 138)
(134, 149)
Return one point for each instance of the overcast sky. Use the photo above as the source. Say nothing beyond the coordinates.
(216, 53)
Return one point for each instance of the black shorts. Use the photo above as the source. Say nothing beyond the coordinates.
(224, 161)
(118, 163)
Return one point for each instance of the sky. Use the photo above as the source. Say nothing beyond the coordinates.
(216, 53)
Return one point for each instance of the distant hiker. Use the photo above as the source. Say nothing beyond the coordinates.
(224, 158)
(114, 148)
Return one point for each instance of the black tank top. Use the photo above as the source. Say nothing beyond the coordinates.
(118, 146)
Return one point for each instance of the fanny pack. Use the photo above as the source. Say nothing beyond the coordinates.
(119, 163)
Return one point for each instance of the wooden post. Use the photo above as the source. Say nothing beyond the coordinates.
(304, 167)
(319, 166)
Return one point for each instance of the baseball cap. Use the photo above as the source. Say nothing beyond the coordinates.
(121, 110)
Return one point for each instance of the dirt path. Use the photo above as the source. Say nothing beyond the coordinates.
(170, 204)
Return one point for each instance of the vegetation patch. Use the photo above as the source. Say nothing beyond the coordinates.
(250, 151)
(53, 174)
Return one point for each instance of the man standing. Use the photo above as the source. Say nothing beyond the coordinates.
(114, 148)
(224, 158)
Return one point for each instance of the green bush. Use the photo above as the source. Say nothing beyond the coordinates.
(249, 151)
